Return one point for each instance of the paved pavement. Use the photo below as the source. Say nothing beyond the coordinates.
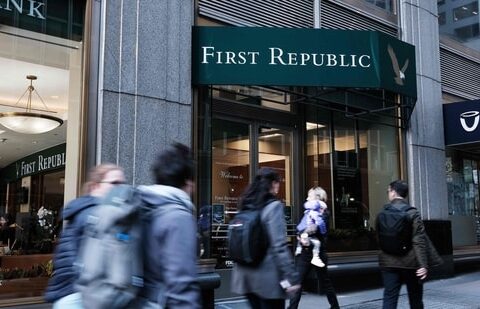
(459, 292)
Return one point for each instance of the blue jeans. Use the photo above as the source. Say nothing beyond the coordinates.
(392, 281)
(72, 301)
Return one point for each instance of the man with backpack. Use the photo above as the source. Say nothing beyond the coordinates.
(170, 241)
(405, 248)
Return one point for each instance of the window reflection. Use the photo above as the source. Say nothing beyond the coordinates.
(459, 20)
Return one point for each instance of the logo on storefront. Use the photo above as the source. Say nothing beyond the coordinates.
(470, 114)
(400, 73)
(32, 8)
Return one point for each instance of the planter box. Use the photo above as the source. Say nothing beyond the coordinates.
(24, 261)
(23, 287)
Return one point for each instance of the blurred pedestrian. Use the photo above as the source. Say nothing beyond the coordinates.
(61, 287)
(303, 260)
(268, 284)
(170, 256)
(410, 267)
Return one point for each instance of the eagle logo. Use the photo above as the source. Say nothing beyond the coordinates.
(400, 73)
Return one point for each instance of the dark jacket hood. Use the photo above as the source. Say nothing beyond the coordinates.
(79, 204)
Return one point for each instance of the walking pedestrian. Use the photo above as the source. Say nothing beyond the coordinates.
(170, 244)
(304, 257)
(409, 267)
(267, 285)
(61, 287)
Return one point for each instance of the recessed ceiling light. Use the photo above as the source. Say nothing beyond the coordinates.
(34, 142)
(54, 97)
(2, 131)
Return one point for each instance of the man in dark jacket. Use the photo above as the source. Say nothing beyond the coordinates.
(410, 268)
(171, 244)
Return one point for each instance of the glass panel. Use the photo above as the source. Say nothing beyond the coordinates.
(462, 184)
(32, 177)
(274, 151)
(255, 95)
(366, 160)
(230, 177)
(384, 4)
(459, 20)
(318, 164)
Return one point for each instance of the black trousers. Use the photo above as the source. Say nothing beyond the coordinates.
(303, 266)
(392, 281)
(257, 302)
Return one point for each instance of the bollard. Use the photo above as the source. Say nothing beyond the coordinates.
(208, 280)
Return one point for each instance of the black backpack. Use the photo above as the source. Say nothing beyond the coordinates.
(247, 238)
(394, 228)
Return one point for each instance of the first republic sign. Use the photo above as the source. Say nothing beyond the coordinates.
(302, 57)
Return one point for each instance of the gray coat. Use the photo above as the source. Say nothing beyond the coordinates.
(170, 249)
(264, 280)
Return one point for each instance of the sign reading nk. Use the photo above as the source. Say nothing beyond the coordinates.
(302, 57)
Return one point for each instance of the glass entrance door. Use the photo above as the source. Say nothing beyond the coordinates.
(238, 150)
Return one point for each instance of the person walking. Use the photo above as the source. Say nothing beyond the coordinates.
(303, 259)
(267, 285)
(61, 287)
(170, 244)
(410, 267)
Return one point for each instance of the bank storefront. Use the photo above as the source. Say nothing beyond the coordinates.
(41, 110)
(462, 140)
(323, 107)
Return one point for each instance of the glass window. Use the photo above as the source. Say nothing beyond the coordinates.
(41, 73)
(274, 151)
(384, 4)
(462, 183)
(465, 11)
(442, 19)
(354, 161)
(255, 95)
(459, 20)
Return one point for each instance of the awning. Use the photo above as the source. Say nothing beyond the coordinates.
(334, 63)
(303, 57)
(462, 124)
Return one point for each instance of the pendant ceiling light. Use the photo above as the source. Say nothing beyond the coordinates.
(28, 122)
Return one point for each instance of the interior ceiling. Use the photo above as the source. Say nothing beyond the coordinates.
(25, 53)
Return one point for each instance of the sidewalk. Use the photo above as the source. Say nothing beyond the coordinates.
(460, 292)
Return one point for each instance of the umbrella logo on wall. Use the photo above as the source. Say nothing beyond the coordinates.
(467, 115)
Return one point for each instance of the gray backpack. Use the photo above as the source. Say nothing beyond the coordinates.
(110, 256)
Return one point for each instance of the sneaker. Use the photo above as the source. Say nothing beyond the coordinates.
(317, 261)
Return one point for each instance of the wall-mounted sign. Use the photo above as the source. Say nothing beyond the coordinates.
(40, 162)
(462, 122)
(35, 9)
(58, 18)
(303, 57)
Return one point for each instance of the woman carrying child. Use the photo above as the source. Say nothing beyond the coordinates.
(313, 230)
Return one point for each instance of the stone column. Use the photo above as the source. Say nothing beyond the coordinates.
(145, 93)
(425, 144)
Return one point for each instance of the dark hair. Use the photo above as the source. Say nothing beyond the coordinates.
(400, 186)
(174, 166)
(258, 192)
